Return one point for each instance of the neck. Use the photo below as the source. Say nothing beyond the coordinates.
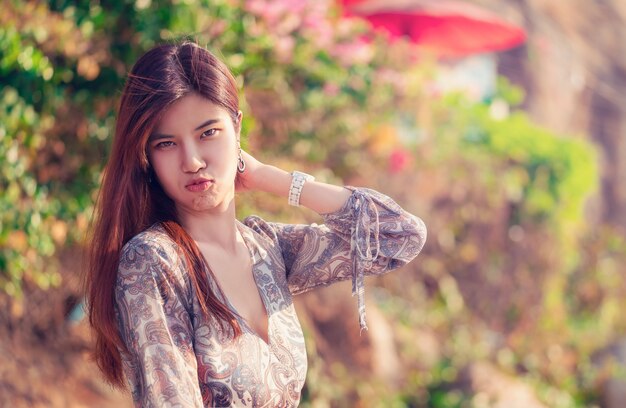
(217, 229)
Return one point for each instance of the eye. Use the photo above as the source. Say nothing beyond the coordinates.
(209, 133)
(163, 145)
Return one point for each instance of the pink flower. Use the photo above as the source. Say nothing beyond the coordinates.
(273, 11)
(255, 6)
(399, 160)
(358, 51)
(284, 48)
(319, 30)
(331, 89)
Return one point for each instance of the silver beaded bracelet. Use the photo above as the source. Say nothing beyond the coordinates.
(298, 179)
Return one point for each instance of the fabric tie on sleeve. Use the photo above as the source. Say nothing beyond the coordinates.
(364, 237)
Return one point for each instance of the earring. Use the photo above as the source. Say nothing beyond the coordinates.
(241, 165)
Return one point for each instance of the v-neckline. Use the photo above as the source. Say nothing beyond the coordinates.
(255, 259)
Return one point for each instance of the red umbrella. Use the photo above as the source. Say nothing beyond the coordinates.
(444, 28)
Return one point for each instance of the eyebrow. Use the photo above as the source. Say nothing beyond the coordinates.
(157, 136)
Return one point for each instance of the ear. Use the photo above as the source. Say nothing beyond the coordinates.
(238, 124)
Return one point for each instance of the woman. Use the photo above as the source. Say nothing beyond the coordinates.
(193, 307)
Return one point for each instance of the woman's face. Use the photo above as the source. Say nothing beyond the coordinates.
(193, 151)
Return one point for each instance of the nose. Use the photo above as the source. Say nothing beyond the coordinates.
(191, 160)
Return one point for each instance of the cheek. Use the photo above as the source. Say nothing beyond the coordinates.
(157, 168)
(227, 158)
(162, 170)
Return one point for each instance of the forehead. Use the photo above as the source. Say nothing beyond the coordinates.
(188, 112)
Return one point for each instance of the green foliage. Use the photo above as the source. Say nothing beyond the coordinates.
(65, 64)
(550, 177)
(24, 237)
(514, 204)
(44, 198)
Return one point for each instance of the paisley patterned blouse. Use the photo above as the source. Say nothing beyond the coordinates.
(179, 358)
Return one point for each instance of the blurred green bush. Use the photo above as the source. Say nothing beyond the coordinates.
(63, 67)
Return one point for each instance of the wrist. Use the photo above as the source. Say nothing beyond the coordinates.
(298, 180)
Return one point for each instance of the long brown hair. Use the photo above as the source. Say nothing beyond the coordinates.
(127, 202)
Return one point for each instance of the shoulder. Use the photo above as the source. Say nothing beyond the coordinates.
(151, 265)
(151, 250)
(264, 230)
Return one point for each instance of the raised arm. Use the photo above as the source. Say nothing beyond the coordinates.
(365, 232)
(155, 325)
(322, 198)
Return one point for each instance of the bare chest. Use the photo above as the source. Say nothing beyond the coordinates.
(234, 275)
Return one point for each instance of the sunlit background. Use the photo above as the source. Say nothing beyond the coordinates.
(502, 124)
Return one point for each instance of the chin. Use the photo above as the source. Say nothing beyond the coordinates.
(210, 203)
(204, 203)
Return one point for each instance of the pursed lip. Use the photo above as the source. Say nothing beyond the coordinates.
(198, 181)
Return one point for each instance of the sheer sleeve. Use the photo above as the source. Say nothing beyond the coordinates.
(155, 324)
(370, 235)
